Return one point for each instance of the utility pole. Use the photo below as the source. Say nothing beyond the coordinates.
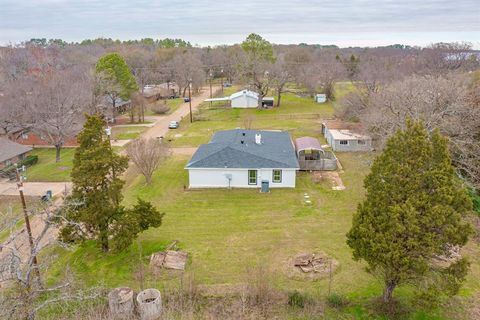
(221, 80)
(27, 224)
(190, 98)
(210, 75)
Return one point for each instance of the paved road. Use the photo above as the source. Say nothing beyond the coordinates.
(160, 128)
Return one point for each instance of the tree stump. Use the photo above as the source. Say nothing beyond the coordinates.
(120, 301)
(149, 303)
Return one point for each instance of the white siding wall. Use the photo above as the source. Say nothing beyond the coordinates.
(215, 178)
(244, 101)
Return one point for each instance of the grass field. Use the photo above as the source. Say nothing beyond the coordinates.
(227, 232)
(47, 169)
(298, 115)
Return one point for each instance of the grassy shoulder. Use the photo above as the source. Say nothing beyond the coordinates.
(11, 211)
(127, 132)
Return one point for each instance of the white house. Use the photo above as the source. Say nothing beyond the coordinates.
(244, 99)
(244, 159)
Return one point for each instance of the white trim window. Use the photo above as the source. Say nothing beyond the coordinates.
(344, 142)
(252, 177)
(277, 176)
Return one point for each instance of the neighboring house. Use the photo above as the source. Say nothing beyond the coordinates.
(244, 99)
(120, 105)
(33, 138)
(342, 136)
(11, 152)
(164, 90)
(244, 159)
(311, 155)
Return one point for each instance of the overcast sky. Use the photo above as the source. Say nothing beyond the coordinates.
(211, 22)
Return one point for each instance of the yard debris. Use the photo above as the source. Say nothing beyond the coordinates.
(120, 301)
(452, 255)
(169, 259)
(311, 262)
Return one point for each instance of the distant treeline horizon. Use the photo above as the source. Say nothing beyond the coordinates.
(181, 43)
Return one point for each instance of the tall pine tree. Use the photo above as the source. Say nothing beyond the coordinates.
(413, 210)
(94, 208)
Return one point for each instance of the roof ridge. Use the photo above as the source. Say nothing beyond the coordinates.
(258, 156)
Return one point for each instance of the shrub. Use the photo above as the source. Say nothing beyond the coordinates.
(29, 161)
(475, 195)
(297, 299)
(336, 300)
(160, 108)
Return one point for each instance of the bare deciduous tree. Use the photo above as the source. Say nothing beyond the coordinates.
(447, 103)
(59, 100)
(147, 155)
(23, 295)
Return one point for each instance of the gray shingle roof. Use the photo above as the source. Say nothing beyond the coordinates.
(10, 149)
(226, 150)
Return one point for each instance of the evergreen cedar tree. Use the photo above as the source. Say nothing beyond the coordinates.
(258, 48)
(413, 211)
(114, 68)
(259, 52)
(94, 209)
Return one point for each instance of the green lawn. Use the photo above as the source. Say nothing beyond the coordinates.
(47, 169)
(226, 232)
(127, 133)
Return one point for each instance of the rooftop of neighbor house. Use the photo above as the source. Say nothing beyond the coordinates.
(250, 93)
(347, 135)
(241, 148)
(344, 130)
(10, 149)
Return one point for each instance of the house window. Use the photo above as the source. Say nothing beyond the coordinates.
(361, 141)
(277, 176)
(344, 142)
(252, 176)
(8, 162)
(24, 136)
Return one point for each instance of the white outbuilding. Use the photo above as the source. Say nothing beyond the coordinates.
(244, 99)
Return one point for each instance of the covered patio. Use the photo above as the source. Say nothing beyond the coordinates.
(311, 156)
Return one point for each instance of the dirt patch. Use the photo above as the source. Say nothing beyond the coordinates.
(310, 266)
(63, 168)
(332, 176)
